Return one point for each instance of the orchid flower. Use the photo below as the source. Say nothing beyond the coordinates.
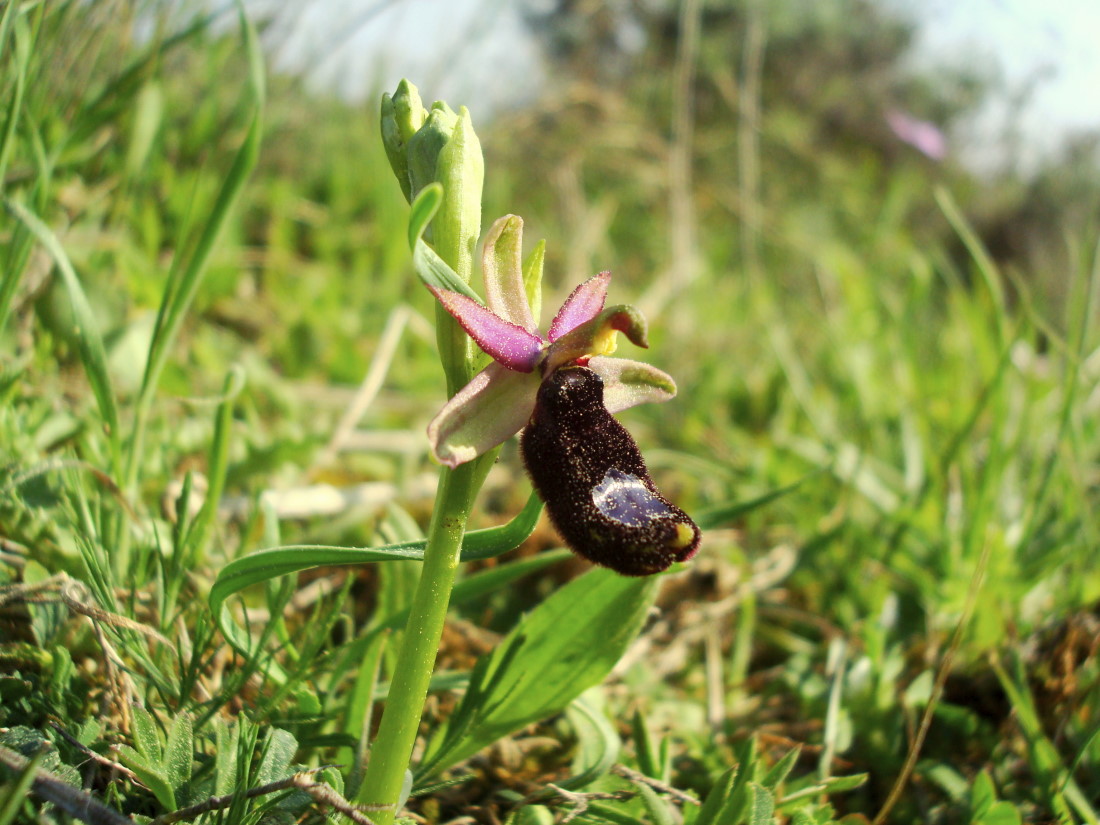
(591, 475)
(500, 399)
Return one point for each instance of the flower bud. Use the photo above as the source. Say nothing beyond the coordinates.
(425, 146)
(402, 116)
(461, 170)
(440, 146)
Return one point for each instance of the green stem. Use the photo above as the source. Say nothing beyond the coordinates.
(392, 748)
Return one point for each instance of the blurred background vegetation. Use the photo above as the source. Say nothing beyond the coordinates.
(912, 339)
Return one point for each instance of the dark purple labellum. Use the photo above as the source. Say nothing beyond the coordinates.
(591, 476)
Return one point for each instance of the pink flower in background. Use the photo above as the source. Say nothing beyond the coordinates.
(925, 137)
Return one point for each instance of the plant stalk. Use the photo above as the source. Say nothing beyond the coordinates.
(392, 748)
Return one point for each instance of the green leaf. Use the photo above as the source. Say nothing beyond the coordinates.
(218, 468)
(147, 738)
(1000, 813)
(659, 809)
(149, 775)
(718, 797)
(738, 804)
(186, 275)
(982, 794)
(530, 815)
(779, 771)
(649, 760)
(19, 63)
(567, 644)
(148, 117)
(616, 813)
(836, 784)
(280, 561)
(493, 579)
(763, 805)
(179, 752)
(279, 751)
(228, 736)
(360, 704)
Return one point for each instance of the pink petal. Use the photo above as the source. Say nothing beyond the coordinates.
(511, 345)
(924, 136)
(502, 267)
(628, 383)
(490, 409)
(583, 304)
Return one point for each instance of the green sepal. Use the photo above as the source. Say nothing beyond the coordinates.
(426, 145)
(532, 280)
(395, 146)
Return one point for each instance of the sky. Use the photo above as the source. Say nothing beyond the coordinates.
(1045, 53)
(454, 50)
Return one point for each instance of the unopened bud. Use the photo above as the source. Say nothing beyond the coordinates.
(402, 116)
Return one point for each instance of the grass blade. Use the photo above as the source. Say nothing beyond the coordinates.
(598, 743)
(184, 282)
(218, 467)
(85, 331)
(724, 513)
(9, 25)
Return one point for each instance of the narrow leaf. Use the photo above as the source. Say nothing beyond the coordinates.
(779, 771)
(146, 736)
(85, 330)
(225, 765)
(184, 281)
(280, 561)
(717, 798)
(598, 743)
(179, 752)
(218, 468)
(430, 268)
(645, 753)
(16, 791)
(763, 805)
(725, 513)
(357, 714)
(567, 644)
(660, 810)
